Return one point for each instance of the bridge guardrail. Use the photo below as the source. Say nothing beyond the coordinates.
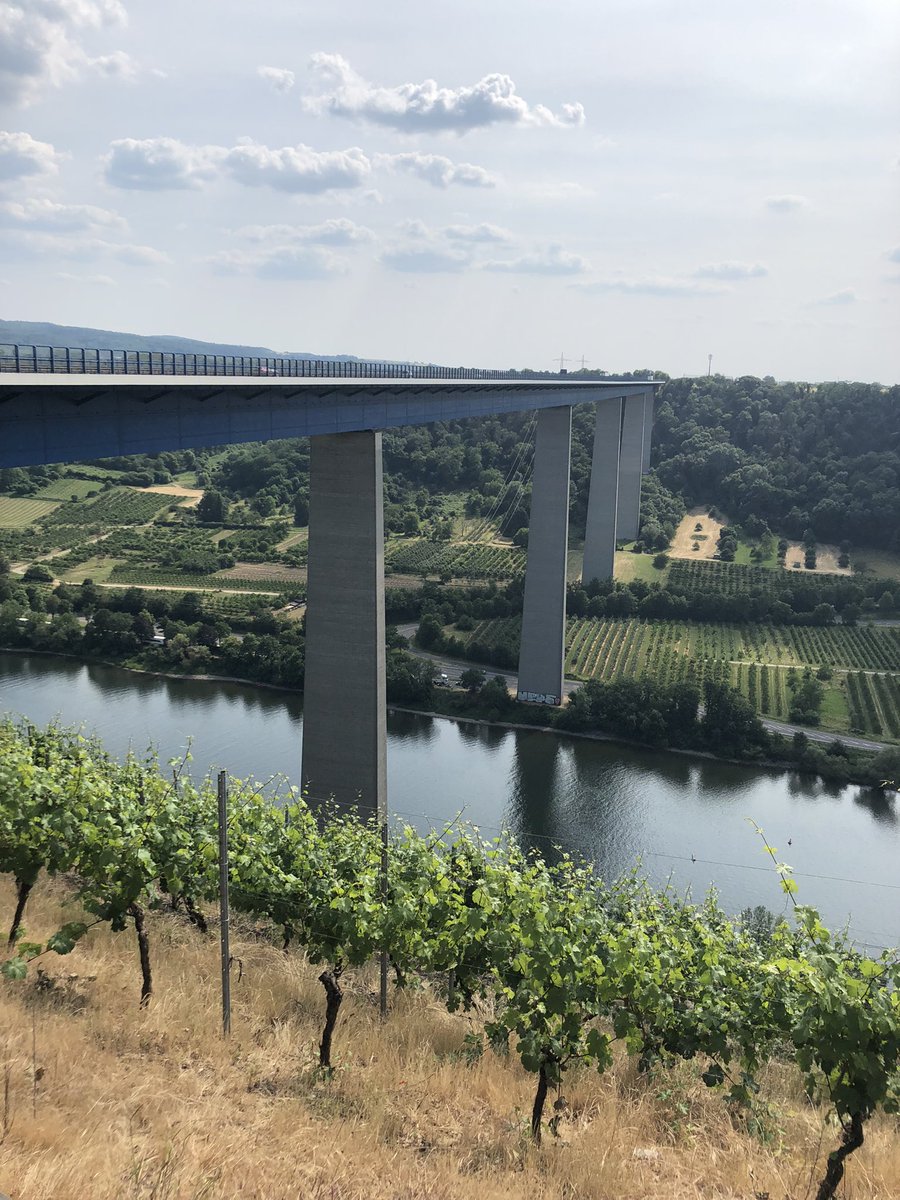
(55, 360)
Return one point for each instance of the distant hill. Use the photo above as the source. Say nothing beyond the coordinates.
(41, 333)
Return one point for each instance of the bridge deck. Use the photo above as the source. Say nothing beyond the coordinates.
(65, 417)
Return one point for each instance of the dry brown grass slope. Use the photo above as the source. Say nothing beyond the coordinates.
(106, 1102)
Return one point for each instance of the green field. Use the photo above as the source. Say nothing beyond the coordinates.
(17, 512)
(877, 562)
(67, 487)
(98, 568)
(639, 566)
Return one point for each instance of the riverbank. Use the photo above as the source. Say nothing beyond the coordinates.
(610, 803)
(463, 708)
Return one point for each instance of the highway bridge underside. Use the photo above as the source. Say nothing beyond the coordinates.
(344, 748)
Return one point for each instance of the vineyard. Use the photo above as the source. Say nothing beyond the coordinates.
(611, 647)
(756, 659)
(118, 506)
(564, 966)
(460, 560)
(140, 576)
(731, 579)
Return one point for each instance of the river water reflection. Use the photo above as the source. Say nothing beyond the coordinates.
(615, 804)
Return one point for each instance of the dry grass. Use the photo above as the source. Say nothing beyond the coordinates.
(111, 1103)
(705, 539)
(192, 496)
(826, 559)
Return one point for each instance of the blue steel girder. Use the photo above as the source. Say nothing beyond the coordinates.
(76, 418)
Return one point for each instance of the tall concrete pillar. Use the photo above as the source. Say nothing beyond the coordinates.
(630, 462)
(344, 707)
(600, 529)
(542, 651)
(648, 431)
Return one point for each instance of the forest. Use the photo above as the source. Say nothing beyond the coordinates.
(794, 456)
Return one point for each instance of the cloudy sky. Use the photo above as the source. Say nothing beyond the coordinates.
(478, 182)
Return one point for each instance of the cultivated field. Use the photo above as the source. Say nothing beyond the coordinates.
(270, 572)
(16, 512)
(66, 487)
(461, 560)
(863, 693)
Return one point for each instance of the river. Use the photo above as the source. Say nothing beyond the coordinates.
(680, 818)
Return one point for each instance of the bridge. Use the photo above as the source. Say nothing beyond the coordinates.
(75, 404)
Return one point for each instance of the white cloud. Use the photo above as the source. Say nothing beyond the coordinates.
(117, 65)
(37, 243)
(99, 280)
(425, 106)
(478, 233)
(424, 259)
(552, 261)
(279, 79)
(159, 164)
(164, 163)
(731, 270)
(336, 231)
(786, 204)
(279, 263)
(22, 155)
(437, 170)
(845, 296)
(655, 285)
(136, 256)
(894, 255)
(297, 168)
(47, 215)
(41, 47)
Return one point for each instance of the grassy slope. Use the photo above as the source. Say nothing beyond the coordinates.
(134, 1105)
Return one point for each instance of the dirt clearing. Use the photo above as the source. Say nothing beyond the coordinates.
(687, 535)
(826, 559)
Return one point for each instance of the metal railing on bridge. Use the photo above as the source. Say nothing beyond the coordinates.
(56, 360)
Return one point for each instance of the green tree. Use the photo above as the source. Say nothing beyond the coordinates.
(472, 679)
(212, 507)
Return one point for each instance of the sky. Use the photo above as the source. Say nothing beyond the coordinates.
(632, 183)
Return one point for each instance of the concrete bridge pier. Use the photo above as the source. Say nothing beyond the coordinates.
(542, 651)
(648, 431)
(344, 707)
(630, 465)
(600, 528)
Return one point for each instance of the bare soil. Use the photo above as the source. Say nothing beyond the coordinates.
(245, 570)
